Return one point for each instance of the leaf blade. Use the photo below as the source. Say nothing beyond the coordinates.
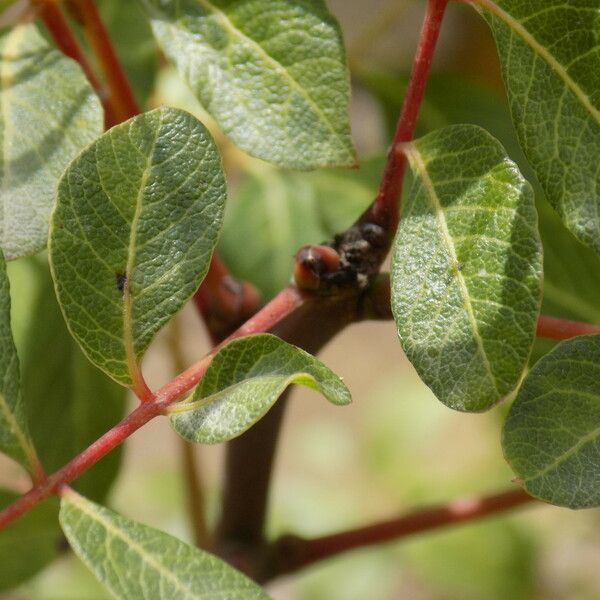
(49, 113)
(244, 380)
(466, 268)
(158, 564)
(551, 437)
(14, 435)
(136, 222)
(272, 74)
(553, 90)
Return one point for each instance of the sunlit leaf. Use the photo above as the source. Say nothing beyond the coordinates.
(49, 114)
(271, 72)
(466, 272)
(156, 565)
(550, 55)
(242, 383)
(137, 218)
(552, 433)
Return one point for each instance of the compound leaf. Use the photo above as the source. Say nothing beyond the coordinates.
(550, 55)
(466, 268)
(135, 561)
(136, 221)
(49, 113)
(271, 72)
(551, 436)
(243, 381)
(14, 436)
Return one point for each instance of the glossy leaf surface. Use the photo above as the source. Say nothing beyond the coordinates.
(466, 271)
(552, 433)
(49, 113)
(271, 72)
(243, 381)
(550, 55)
(156, 565)
(137, 219)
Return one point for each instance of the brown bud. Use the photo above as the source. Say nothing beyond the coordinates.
(312, 262)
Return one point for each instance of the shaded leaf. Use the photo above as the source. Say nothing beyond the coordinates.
(69, 402)
(156, 565)
(550, 55)
(49, 114)
(466, 270)
(551, 437)
(137, 218)
(271, 72)
(28, 544)
(243, 381)
(14, 436)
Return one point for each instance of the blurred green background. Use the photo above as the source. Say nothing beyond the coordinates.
(395, 447)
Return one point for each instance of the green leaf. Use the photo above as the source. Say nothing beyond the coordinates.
(137, 218)
(271, 72)
(69, 402)
(14, 436)
(243, 381)
(28, 544)
(550, 55)
(49, 113)
(466, 268)
(136, 561)
(551, 436)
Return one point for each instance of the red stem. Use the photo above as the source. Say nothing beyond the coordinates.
(304, 552)
(281, 306)
(61, 33)
(121, 95)
(385, 209)
(563, 329)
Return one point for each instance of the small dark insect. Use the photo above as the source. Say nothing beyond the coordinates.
(120, 280)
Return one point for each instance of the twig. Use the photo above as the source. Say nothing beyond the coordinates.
(291, 553)
(385, 209)
(553, 328)
(121, 95)
(283, 305)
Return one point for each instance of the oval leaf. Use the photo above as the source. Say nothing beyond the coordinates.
(550, 55)
(243, 381)
(136, 221)
(156, 565)
(14, 436)
(466, 271)
(271, 72)
(551, 436)
(49, 114)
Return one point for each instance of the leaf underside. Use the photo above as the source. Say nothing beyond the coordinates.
(48, 114)
(550, 55)
(243, 381)
(466, 268)
(137, 219)
(135, 561)
(271, 72)
(551, 436)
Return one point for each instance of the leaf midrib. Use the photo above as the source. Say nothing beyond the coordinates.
(418, 165)
(541, 51)
(227, 24)
(131, 543)
(131, 358)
